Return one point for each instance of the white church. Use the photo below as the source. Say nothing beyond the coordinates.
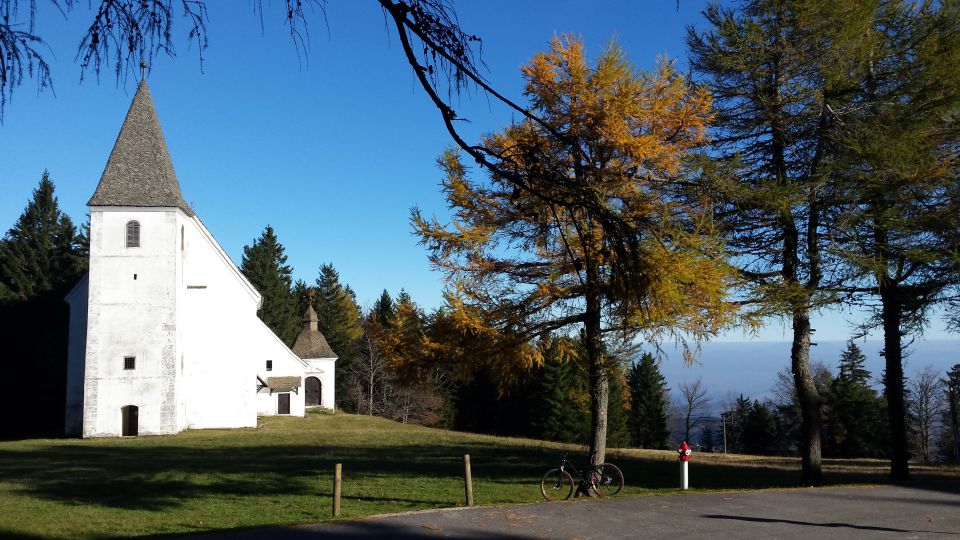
(164, 333)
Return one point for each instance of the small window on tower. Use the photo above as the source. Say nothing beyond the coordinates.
(269, 365)
(133, 234)
(129, 362)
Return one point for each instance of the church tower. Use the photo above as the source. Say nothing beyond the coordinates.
(132, 347)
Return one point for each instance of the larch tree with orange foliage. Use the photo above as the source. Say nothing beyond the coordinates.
(582, 224)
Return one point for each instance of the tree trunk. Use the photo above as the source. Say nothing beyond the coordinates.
(811, 473)
(893, 382)
(599, 385)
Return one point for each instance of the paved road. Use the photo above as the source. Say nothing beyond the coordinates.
(835, 513)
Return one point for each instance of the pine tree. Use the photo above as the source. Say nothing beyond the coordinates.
(551, 408)
(383, 311)
(707, 439)
(42, 251)
(648, 411)
(618, 432)
(737, 423)
(264, 264)
(339, 320)
(41, 259)
(949, 443)
(857, 425)
(759, 435)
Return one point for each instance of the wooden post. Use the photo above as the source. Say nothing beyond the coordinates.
(468, 479)
(337, 477)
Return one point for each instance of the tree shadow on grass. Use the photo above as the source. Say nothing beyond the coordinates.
(160, 477)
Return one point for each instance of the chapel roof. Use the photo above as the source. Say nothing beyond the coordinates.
(311, 343)
(139, 171)
(283, 384)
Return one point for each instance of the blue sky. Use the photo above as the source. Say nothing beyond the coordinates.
(332, 151)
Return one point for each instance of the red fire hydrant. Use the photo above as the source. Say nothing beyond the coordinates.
(684, 456)
(684, 451)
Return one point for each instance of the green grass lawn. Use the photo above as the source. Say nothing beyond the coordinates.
(282, 473)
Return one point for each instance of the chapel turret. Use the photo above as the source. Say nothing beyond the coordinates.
(311, 343)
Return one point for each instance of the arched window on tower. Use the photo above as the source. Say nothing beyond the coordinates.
(133, 234)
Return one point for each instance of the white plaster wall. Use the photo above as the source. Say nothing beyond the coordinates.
(218, 370)
(131, 312)
(76, 354)
(324, 369)
(267, 403)
(225, 344)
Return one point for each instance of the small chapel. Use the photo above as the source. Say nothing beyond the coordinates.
(164, 334)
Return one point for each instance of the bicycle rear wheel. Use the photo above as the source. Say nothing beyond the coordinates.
(606, 479)
(556, 485)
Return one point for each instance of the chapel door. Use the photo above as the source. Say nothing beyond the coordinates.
(130, 420)
(312, 391)
(283, 403)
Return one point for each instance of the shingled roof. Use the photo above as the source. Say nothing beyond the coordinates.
(139, 171)
(311, 343)
(283, 384)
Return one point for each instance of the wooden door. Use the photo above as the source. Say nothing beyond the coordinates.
(283, 403)
(130, 420)
(312, 391)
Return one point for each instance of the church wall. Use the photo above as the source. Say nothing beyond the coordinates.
(131, 313)
(324, 369)
(284, 364)
(218, 365)
(76, 353)
(225, 343)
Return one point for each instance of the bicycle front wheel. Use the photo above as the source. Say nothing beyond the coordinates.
(556, 485)
(606, 479)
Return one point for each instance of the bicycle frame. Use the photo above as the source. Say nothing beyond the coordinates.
(564, 463)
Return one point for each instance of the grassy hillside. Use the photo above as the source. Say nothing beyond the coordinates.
(281, 473)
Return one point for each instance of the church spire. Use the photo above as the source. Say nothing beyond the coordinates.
(139, 171)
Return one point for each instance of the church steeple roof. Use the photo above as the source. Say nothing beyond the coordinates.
(139, 171)
(311, 343)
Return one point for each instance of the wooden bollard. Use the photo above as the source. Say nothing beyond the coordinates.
(337, 480)
(468, 479)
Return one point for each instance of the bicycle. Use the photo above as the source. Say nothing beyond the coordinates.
(602, 480)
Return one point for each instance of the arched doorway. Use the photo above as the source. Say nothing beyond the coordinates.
(130, 418)
(312, 392)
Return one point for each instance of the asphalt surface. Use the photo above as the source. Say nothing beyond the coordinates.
(835, 513)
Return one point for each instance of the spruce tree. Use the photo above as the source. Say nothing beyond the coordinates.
(41, 259)
(618, 432)
(42, 251)
(736, 424)
(950, 434)
(648, 411)
(551, 412)
(340, 322)
(759, 435)
(264, 264)
(707, 439)
(383, 311)
(857, 423)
